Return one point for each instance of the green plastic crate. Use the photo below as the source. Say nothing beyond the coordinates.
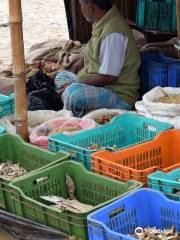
(166, 183)
(14, 149)
(157, 15)
(6, 105)
(90, 188)
(123, 131)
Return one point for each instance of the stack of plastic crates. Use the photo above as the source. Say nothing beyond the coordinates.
(6, 105)
(158, 70)
(15, 150)
(137, 162)
(90, 189)
(157, 15)
(168, 183)
(124, 131)
(136, 211)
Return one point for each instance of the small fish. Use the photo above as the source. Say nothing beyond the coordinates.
(70, 187)
(11, 171)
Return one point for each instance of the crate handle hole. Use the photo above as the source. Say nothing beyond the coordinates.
(116, 211)
(40, 180)
(150, 127)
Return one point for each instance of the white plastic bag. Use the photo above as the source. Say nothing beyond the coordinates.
(175, 121)
(39, 136)
(157, 108)
(35, 118)
(160, 111)
(97, 115)
(10, 128)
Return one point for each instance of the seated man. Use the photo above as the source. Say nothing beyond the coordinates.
(107, 75)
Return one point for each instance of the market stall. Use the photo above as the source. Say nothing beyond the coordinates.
(87, 187)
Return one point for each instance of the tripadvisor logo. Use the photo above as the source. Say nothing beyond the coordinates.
(140, 230)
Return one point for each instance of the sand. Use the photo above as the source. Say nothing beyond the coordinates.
(42, 20)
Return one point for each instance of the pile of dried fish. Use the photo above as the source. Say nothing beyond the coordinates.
(62, 129)
(156, 234)
(94, 146)
(106, 118)
(169, 99)
(71, 204)
(11, 171)
(49, 68)
(67, 204)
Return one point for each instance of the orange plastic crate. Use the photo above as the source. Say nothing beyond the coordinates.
(137, 162)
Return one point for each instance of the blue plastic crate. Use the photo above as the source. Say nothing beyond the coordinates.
(6, 105)
(158, 70)
(157, 15)
(124, 131)
(2, 130)
(168, 183)
(143, 208)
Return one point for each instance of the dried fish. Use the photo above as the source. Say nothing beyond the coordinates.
(11, 171)
(133, 186)
(67, 204)
(70, 187)
(74, 206)
(106, 118)
(113, 148)
(72, 238)
(175, 98)
(94, 146)
(157, 234)
(52, 199)
(62, 129)
(178, 193)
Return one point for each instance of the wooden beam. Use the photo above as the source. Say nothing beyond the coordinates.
(17, 44)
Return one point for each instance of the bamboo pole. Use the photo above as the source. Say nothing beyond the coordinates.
(178, 17)
(17, 44)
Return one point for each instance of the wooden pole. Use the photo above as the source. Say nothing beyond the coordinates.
(17, 44)
(178, 17)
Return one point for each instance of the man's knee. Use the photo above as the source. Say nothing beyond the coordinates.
(72, 92)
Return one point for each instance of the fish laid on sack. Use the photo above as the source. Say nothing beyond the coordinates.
(71, 204)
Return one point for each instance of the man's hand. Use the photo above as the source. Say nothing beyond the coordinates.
(62, 89)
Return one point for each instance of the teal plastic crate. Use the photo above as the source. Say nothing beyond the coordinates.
(157, 15)
(2, 130)
(6, 105)
(123, 131)
(168, 183)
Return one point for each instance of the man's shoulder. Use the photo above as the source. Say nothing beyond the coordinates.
(116, 25)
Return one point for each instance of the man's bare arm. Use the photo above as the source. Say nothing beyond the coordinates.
(99, 80)
(78, 63)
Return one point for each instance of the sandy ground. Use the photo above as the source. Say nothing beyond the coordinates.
(42, 20)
